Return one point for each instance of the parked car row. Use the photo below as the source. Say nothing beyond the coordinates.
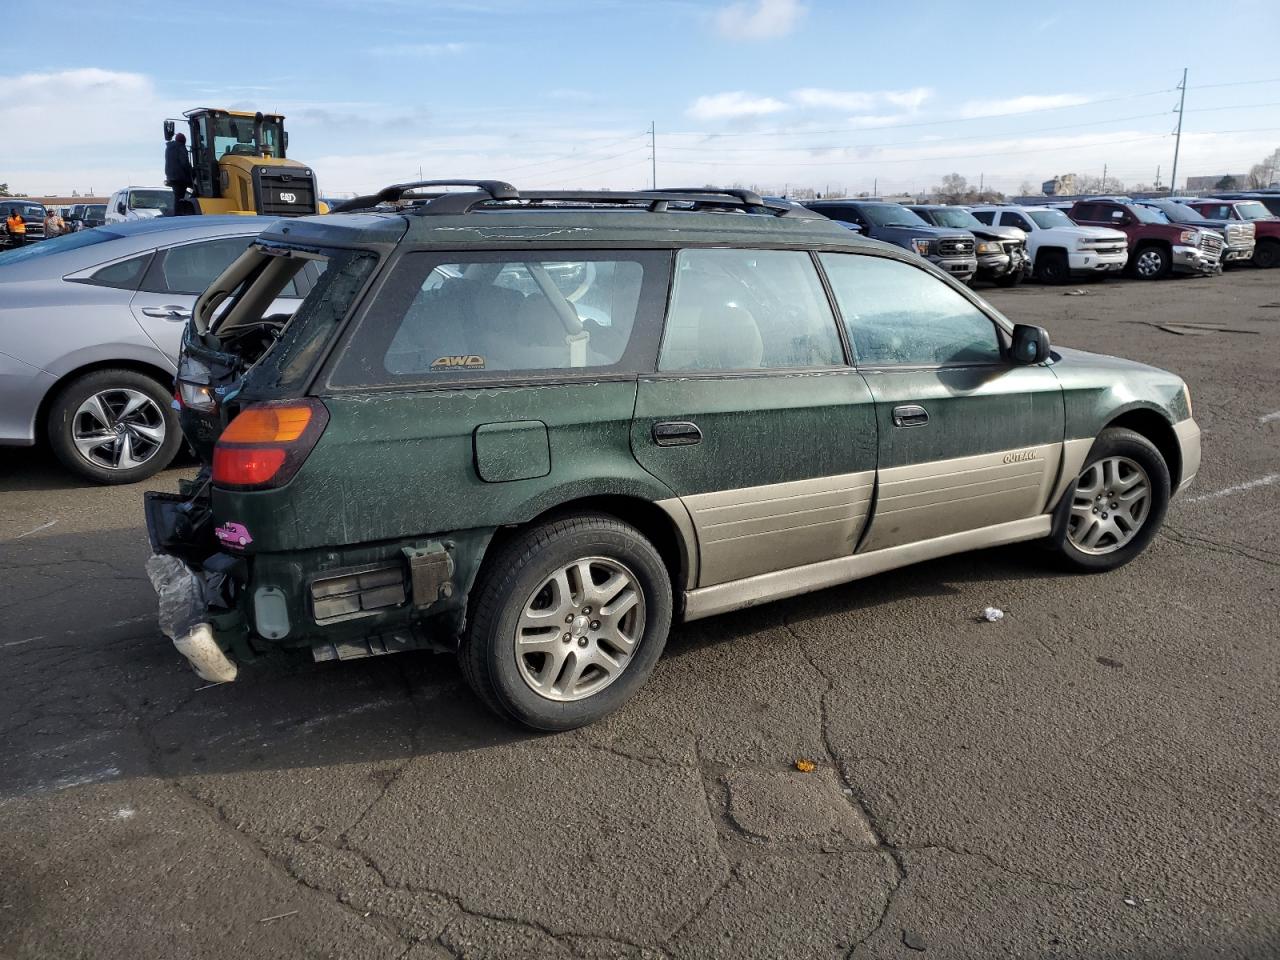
(1004, 243)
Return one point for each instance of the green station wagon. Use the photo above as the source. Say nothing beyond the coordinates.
(535, 429)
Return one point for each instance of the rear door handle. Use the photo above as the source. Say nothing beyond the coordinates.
(910, 415)
(676, 433)
(171, 312)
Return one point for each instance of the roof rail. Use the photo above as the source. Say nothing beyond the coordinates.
(492, 190)
(655, 201)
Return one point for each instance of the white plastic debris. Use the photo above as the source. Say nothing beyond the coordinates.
(992, 614)
(182, 609)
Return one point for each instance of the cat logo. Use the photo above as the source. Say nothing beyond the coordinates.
(289, 198)
(448, 363)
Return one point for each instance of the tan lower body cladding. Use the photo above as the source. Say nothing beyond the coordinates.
(765, 543)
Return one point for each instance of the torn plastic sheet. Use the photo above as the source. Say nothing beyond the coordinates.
(185, 600)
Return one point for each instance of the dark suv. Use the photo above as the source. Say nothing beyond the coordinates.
(1156, 246)
(951, 250)
(535, 429)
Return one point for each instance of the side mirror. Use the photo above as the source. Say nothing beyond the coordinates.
(168, 130)
(1030, 344)
(120, 207)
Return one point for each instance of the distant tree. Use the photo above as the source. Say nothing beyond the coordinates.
(1225, 183)
(953, 189)
(4, 190)
(1027, 189)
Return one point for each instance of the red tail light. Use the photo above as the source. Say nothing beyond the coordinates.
(265, 444)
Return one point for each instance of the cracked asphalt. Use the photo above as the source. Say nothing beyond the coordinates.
(1095, 776)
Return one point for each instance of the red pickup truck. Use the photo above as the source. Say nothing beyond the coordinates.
(1156, 246)
(1265, 224)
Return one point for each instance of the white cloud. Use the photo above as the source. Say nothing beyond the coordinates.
(759, 20)
(985, 108)
(858, 101)
(419, 49)
(722, 106)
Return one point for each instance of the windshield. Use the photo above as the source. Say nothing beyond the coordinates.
(1050, 219)
(29, 211)
(151, 200)
(1174, 210)
(97, 210)
(1253, 210)
(892, 215)
(956, 218)
(68, 241)
(1147, 214)
(235, 136)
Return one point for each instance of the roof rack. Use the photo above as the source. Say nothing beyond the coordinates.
(495, 194)
(492, 190)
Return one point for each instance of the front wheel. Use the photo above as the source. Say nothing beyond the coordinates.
(569, 620)
(1267, 254)
(1010, 279)
(1116, 505)
(1151, 263)
(1053, 266)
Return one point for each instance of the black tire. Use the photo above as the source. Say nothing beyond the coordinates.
(1115, 442)
(487, 654)
(1010, 279)
(61, 424)
(1267, 254)
(1151, 262)
(1053, 266)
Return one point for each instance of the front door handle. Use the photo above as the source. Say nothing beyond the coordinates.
(910, 415)
(172, 312)
(676, 433)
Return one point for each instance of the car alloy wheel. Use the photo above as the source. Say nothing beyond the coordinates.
(118, 429)
(579, 628)
(1111, 502)
(1150, 264)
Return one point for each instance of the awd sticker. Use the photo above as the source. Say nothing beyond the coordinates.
(233, 535)
(472, 362)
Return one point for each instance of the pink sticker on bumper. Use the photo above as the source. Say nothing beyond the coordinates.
(233, 534)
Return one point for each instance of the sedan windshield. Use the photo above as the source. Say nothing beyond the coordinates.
(68, 241)
(956, 217)
(892, 215)
(1253, 210)
(1049, 219)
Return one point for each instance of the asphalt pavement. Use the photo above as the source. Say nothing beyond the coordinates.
(1094, 776)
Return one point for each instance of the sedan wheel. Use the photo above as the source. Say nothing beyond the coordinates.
(1111, 502)
(118, 429)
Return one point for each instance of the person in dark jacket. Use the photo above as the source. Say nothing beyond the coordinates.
(177, 172)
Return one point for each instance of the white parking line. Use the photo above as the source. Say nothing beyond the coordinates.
(1268, 417)
(43, 526)
(1238, 488)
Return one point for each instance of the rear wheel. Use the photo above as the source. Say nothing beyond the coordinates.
(1011, 279)
(114, 426)
(569, 621)
(1151, 263)
(1052, 266)
(1267, 254)
(1116, 505)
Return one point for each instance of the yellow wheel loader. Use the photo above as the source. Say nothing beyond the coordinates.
(240, 165)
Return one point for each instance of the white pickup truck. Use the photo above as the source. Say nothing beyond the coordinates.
(1060, 248)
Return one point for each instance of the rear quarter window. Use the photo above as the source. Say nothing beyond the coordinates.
(441, 319)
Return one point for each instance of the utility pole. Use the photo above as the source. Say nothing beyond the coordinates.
(653, 151)
(1157, 178)
(1177, 143)
(1104, 179)
(875, 187)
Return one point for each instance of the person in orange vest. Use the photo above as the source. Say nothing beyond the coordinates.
(16, 227)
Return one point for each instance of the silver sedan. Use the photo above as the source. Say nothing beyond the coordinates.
(90, 326)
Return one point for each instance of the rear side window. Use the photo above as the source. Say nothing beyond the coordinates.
(748, 310)
(125, 275)
(986, 216)
(898, 314)
(442, 319)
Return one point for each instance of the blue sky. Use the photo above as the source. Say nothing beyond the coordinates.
(561, 92)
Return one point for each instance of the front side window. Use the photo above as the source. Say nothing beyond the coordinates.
(899, 315)
(748, 310)
(441, 320)
(1019, 221)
